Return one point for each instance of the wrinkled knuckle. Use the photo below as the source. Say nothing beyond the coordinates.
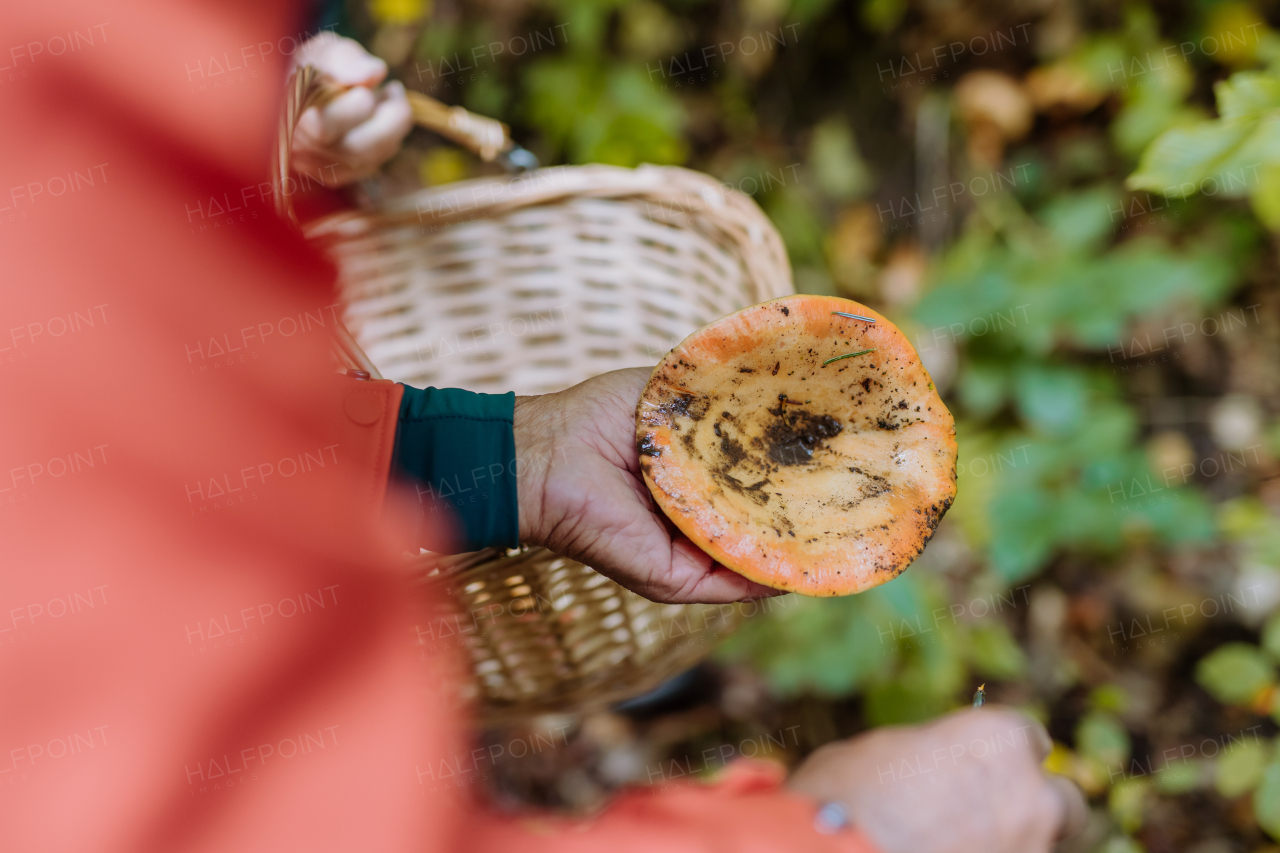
(1008, 722)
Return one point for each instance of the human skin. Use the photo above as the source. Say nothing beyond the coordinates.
(353, 135)
(968, 781)
(976, 783)
(581, 495)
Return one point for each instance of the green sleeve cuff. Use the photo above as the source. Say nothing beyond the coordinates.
(458, 450)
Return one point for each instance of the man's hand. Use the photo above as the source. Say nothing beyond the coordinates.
(353, 135)
(581, 495)
(968, 781)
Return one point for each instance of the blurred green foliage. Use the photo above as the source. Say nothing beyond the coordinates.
(1235, 673)
(1046, 267)
(1126, 208)
(1240, 770)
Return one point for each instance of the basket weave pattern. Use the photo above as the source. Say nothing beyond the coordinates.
(533, 284)
(546, 633)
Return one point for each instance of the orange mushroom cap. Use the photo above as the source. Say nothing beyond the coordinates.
(789, 464)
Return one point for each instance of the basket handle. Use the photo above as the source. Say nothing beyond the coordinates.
(482, 136)
(308, 87)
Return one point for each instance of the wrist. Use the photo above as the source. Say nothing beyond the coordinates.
(530, 428)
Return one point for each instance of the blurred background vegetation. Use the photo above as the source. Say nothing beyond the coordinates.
(1071, 208)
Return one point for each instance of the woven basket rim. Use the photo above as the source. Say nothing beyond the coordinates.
(676, 188)
(671, 196)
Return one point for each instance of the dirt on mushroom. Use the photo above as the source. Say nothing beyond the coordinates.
(806, 450)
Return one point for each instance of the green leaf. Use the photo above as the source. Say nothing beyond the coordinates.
(1243, 517)
(648, 30)
(1219, 155)
(1240, 768)
(1051, 399)
(1126, 803)
(1181, 158)
(797, 223)
(599, 113)
(1181, 778)
(984, 386)
(1248, 95)
(994, 652)
(1101, 737)
(1266, 801)
(1271, 637)
(1109, 697)
(1265, 196)
(837, 166)
(880, 16)
(1144, 119)
(1080, 220)
(1023, 533)
(1235, 673)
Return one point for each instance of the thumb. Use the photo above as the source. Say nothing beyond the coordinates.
(695, 577)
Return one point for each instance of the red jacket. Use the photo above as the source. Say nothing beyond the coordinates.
(207, 639)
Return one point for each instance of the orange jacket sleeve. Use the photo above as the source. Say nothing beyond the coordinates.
(207, 636)
(744, 811)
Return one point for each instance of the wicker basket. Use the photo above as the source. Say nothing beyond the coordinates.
(532, 284)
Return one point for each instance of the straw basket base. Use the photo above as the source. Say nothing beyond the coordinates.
(532, 285)
(546, 634)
